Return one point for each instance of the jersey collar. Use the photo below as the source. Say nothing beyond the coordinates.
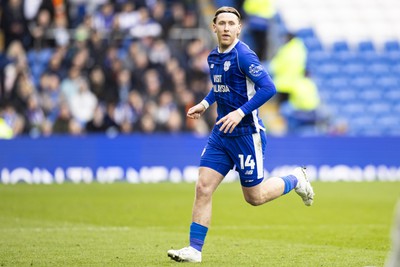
(230, 47)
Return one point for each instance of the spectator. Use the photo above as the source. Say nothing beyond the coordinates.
(301, 108)
(174, 122)
(5, 130)
(14, 23)
(34, 115)
(83, 103)
(124, 85)
(166, 106)
(109, 118)
(40, 30)
(97, 123)
(97, 83)
(50, 96)
(289, 63)
(159, 53)
(297, 93)
(14, 120)
(147, 124)
(152, 84)
(259, 14)
(146, 26)
(128, 17)
(17, 67)
(62, 122)
(56, 63)
(160, 13)
(70, 85)
(97, 48)
(103, 20)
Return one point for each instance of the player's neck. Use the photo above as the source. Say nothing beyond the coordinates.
(222, 49)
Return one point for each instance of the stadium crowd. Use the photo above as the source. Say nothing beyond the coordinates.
(76, 67)
(126, 66)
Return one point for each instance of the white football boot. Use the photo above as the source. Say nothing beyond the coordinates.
(303, 187)
(186, 254)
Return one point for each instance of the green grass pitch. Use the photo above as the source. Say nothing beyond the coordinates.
(125, 224)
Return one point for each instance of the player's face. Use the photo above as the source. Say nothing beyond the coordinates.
(227, 27)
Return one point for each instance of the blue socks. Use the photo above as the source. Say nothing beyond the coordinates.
(197, 235)
(290, 183)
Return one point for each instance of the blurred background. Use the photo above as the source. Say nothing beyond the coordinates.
(122, 67)
(130, 68)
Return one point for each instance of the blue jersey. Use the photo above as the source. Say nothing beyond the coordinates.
(237, 75)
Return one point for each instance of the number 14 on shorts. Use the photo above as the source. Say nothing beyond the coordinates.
(248, 162)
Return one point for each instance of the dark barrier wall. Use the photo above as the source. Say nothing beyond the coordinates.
(155, 158)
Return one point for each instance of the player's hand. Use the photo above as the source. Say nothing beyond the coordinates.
(230, 121)
(196, 111)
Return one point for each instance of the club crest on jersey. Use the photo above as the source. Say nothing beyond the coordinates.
(255, 70)
(227, 64)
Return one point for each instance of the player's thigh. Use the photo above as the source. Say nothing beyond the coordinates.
(215, 156)
(247, 152)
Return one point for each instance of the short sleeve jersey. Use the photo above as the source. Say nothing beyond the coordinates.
(235, 76)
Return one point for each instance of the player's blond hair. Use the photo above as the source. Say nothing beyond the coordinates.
(226, 9)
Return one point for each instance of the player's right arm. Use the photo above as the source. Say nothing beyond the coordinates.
(196, 111)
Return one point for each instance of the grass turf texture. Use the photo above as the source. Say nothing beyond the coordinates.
(135, 224)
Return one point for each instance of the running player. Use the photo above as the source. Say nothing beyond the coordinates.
(240, 86)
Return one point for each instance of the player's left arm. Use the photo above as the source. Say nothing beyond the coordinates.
(251, 66)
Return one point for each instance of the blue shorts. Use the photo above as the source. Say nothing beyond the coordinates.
(245, 152)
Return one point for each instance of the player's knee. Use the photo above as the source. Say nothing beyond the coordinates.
(254, 201)
(203, 190)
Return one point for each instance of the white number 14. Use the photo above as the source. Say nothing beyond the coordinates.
(248, 163)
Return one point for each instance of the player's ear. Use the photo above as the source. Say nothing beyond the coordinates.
(214, 28)
(239, 29)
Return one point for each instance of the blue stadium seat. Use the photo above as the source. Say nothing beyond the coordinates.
(347, 57)
(387, 81)
(370, 94)
(388, 121)
(353, 69)
(363, 121)
(391, 45)
(340, 46)
(327, 70)
(393, 57)
(378, 69)
(319, 57)
(361, 82)
(312, 44)
(345, 95)
(395, 68)
(396, 108)
(392, 95)
(352, 109)
(366, 46)
(305, 33)
(338, 82)
(364, 125)
(379, 108)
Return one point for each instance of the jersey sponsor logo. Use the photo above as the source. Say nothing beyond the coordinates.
(227, 64)
(217, 78)
(255, 70)
(221, 88)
